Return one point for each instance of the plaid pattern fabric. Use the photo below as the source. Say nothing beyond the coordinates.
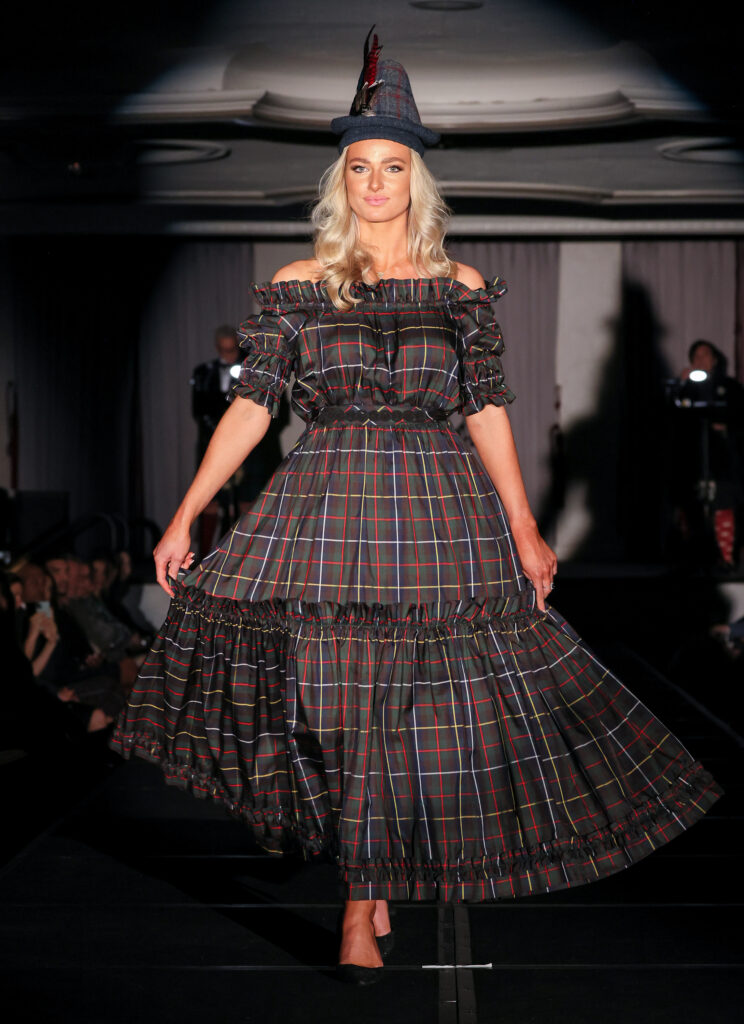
(360, 665)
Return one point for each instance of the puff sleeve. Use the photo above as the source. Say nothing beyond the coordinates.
(269, 339)
(481, 346)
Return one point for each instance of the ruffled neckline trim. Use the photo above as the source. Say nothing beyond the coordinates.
(387, 291)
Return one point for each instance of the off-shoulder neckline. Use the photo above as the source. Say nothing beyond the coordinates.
(386, 290)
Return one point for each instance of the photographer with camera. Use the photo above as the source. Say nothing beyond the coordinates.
(709, 457)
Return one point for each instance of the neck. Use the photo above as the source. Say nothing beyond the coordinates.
(387, 244)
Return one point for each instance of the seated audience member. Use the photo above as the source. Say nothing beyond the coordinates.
(18, 605)
(113, 638)
(59, 569)
(57, 665)
(124, 567)
(66, 570)
(33, 719)
(113, 591)
(41, 639)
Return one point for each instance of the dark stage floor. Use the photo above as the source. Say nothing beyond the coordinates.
(140, 903)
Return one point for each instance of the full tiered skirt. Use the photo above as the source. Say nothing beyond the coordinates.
(456, 748)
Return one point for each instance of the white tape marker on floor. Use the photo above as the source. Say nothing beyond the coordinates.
(450, 967)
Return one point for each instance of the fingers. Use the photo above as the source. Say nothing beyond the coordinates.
(542, 587)
(167, 565)
(540, 591)
(546, 577)
(161, 569)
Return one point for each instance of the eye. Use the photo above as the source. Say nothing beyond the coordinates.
(358, 167)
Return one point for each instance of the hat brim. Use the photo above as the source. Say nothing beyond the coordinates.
(358, 127)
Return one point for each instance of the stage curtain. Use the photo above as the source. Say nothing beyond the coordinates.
(739, 326)
(673, 292)
(528, 316)
(200, 285)
(688, 288)
(69, 323)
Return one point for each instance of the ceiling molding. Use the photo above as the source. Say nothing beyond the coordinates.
(266, 108)
(582, 194)
(545, 192)
(144, 108)
(139, 108)
(157, 152)
(717, 150)
(490, 227)
(66, 219)
(602, 109)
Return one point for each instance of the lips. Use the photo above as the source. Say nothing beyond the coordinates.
(375, 200)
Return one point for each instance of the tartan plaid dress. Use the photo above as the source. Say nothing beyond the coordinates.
(360, 666)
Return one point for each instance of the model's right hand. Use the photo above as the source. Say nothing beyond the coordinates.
(171, 554)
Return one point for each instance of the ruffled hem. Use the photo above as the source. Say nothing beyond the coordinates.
(555, 864)
(287, 296)
(435, 619)
(686, 800)
(259, 707)
(275, 829)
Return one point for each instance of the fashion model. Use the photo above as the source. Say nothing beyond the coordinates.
(367, 663)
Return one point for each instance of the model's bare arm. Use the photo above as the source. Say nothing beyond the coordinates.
(492, 437)
(238, 432)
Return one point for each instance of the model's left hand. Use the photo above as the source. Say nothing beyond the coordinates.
(539, 562)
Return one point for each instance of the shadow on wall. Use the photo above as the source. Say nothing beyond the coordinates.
(617, 456)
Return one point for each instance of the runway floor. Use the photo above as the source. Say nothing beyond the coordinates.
(141, 903)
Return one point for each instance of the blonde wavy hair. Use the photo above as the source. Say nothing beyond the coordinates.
(336, 235)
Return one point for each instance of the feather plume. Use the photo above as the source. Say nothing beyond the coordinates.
(368, 81)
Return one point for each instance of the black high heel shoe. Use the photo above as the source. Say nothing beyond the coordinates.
(353, 974)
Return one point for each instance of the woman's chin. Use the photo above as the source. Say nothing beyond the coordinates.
(379, 214)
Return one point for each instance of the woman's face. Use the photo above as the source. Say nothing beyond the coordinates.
(378, 179)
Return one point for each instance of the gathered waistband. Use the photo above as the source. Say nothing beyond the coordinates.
(335, 414)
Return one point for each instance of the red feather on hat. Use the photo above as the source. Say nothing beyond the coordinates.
(371, 56)
(368, 79)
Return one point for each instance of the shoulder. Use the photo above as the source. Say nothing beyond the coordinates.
(299, 270)
(469, 276)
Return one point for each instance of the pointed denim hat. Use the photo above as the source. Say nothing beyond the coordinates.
(383, 107)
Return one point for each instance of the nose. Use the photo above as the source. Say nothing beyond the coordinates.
(375, 181)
